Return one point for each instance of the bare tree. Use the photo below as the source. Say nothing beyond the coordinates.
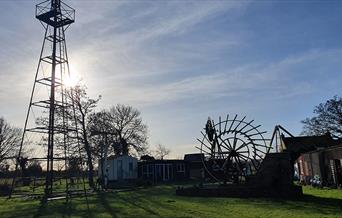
(101, 136)
(10, 138)
(129, 130)
(161, 151)
(328, 118)
(123, 129)
(101, 132)
(83, 107)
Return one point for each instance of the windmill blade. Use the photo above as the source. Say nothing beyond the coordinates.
(241, 121)
(238, 149)
(225, 125)
(231, 125)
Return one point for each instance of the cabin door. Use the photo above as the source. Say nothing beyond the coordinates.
(167, 172)
(120, 170)
(159, 172)
(337, 172)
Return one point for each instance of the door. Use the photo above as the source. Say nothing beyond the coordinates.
(338, 172)
(120, 170)
(159, 172)
(167, 172)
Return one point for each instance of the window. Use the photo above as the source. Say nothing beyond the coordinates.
(130, 167)
(180, 167)
(144, 169)
(147, 171)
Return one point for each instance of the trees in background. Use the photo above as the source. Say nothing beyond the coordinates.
(10, 138)
(130, 133)
(23, 161)
(34, 169)
(118, 130)
(74, 166)
(161, 151)
(122, 128)
(79, 114)
(101, 133)
(75, 119)
(328, 118)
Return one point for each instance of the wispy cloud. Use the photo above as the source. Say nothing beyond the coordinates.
(138, 47)
(177, 20)
(278, 78)
(177, 54)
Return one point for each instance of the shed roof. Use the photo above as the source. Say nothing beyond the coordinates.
(164, 161)
(196, 157)
(303, 144)
(112, 157)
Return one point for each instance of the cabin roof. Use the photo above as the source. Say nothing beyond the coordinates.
(161, 161)
(196, 157)
(112, 157)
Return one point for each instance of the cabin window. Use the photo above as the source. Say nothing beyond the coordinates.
(147, 171)
(144, 169)
(180, 167)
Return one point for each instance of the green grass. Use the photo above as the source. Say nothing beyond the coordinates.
(38, 186)
(161, 201)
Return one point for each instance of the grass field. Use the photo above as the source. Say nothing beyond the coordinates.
(161, 201)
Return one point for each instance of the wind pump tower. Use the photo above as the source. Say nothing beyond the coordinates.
(48, 130)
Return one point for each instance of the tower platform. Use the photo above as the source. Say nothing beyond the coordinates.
(65, 15)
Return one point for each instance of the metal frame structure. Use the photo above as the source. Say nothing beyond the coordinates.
(53, 68)
(233, 149)
(276, 140)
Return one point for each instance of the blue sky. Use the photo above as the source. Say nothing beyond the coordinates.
(182, 61)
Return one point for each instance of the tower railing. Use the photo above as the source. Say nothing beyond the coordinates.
(64, 13)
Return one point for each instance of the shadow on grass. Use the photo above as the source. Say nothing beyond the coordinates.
(157, 200)
(104, 202)
(19, 210)
(162, 201)
(307, 204)
(133, 200)
(321, 204)
(40, 211)
(61, 208)
(321, 200)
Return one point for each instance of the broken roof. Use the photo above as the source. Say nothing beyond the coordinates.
(304, 144)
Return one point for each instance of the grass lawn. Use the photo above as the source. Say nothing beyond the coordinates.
(161, 201)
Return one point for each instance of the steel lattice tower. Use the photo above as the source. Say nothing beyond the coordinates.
(53, 67)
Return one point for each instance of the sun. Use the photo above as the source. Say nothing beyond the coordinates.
(73, 78)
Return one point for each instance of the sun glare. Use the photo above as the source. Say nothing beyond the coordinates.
(73, 79)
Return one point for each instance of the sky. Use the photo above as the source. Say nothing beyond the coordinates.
(179, 62)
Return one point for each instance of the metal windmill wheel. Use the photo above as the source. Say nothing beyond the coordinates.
(232, 149)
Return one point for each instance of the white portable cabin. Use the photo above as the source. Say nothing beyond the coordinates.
(120, 168)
